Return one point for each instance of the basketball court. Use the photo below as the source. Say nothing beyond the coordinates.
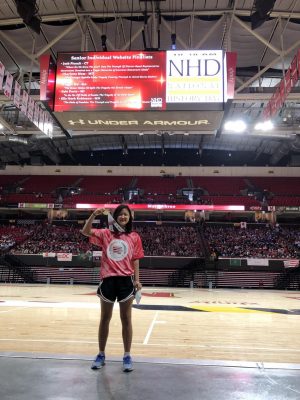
(197, 343)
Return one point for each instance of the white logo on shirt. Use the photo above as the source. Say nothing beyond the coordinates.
(117, 250)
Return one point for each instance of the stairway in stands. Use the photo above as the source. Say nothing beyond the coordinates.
(18, 268)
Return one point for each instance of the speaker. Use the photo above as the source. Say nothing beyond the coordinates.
(263, 7)
(257, 20)
(27, 10)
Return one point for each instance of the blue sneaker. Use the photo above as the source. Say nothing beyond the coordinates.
(127, 364)
(99, 362)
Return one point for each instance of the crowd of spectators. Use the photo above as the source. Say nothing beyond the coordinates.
(178, 240)
(263, 241)
(168, 240)
(11, 236)
(52, 238)
(162, 240)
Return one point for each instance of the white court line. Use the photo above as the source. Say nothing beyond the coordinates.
(14, 309)
(40, 304)
(50, 341)
(150, 328)
(274, 349)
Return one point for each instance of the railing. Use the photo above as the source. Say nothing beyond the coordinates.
(23, 270)
(289, 279)
(9, 275)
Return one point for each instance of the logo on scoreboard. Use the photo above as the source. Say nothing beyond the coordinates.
(156, 102)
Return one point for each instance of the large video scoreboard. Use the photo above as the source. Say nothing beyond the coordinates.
(140, 81)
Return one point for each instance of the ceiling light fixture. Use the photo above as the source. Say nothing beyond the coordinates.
(237, 126)
(264, 126)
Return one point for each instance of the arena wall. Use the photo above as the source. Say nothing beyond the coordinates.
(151, 171)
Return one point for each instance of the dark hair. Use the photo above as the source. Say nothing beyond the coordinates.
(117, 212)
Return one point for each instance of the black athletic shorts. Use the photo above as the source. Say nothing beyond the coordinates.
(116, 288)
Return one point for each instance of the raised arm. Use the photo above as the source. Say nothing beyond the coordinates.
(86, 230)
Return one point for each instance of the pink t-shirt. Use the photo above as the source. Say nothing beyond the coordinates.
(118, 251)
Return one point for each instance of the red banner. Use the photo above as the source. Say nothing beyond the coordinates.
(294, 72)
(267, 111)
(30, 108)
(47, 79)
(283, 89)
(17, 94)
(8, 85)
(24, 102)
(288, 81)
(64, 256)
(231, 60)
(44, 69)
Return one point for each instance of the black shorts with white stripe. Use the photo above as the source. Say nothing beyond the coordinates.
(114, 288)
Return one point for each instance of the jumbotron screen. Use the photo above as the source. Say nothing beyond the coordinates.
(133, 81)
(110, 81)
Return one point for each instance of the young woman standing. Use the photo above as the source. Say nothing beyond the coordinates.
(119, 276)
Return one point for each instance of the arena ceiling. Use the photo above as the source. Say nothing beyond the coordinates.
(263, 55)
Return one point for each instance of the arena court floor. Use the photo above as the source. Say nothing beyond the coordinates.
(192, 343)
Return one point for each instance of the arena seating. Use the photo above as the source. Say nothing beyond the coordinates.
(288, 201)
(47, 183)
(104, 184)
(230, 200)
(153, 189)
(278, 186)
(9, 179)
(29, 198)
(220, 186)
(161, 185)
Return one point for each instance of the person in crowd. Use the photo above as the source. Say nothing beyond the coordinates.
(119, 275)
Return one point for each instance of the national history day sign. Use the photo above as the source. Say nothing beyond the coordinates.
(194, 77)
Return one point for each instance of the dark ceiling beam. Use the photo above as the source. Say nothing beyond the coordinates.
(134, 14)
